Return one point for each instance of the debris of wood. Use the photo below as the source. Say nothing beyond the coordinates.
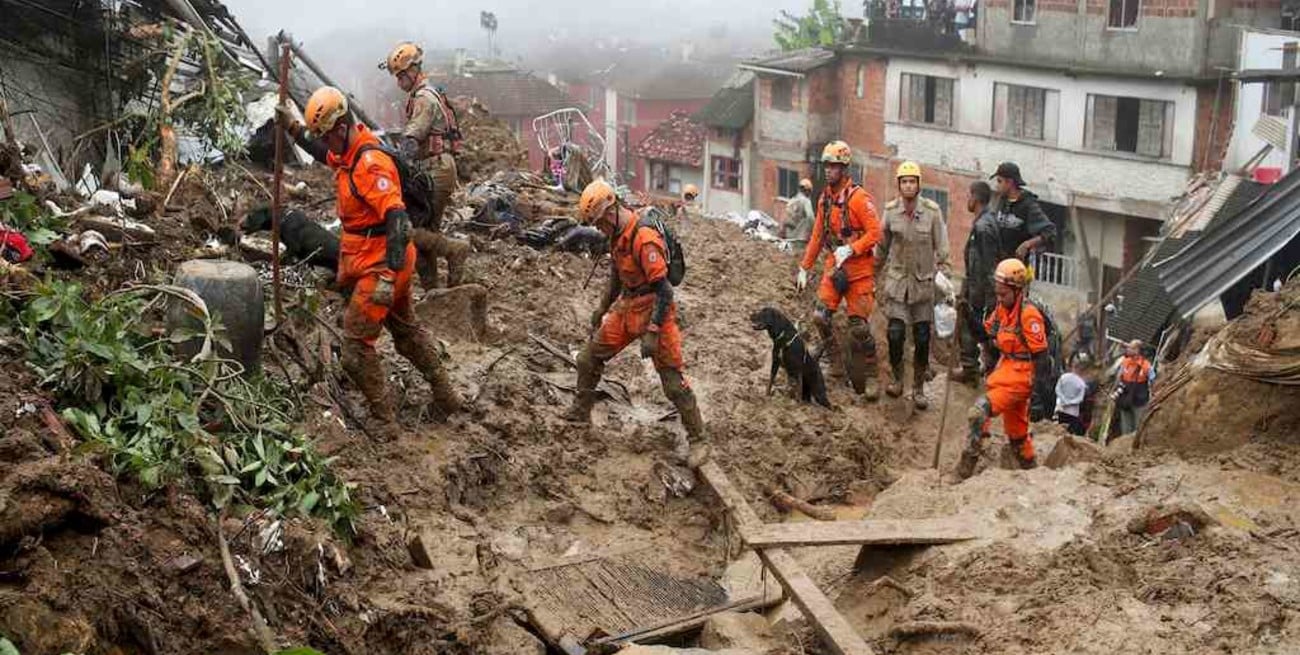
(789, 503)
(873, 531)
(118, 230)
(260, 630)
(915, 629)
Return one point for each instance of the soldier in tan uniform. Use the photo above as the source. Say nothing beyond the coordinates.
(429, 140)
(914, 247)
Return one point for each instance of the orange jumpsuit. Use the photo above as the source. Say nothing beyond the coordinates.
(862, 231)
(1021, 334)
(363, 246)
(639, 261)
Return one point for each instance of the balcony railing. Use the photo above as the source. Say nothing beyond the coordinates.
(1058, 270)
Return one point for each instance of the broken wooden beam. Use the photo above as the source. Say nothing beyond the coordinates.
(831, 626)
(867, 532)
(694, 621)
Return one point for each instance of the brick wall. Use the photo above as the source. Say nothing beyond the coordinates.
(1060, 6)
(1212, 138)
(769, 187)
(1170, 8)
(822, 90)
(863, 119)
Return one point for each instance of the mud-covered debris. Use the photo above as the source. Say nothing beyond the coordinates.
(1173, 522)
(421, 547)
(1073, 450)
(737, 630)
(184, 563)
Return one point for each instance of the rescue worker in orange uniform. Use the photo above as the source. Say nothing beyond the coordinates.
(638, 306)
(1020, 334)
(376, 258)
(847, 226)
(1133, 387)
(429, 140)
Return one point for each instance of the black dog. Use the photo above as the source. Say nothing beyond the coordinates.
(788, 349)
(303, 238)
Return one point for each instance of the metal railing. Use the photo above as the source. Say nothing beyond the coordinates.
(1058, 270)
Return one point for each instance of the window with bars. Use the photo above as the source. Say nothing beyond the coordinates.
(939, 196)
(1123, 124)
(658, 176)
(783, 93)
(1025, 112)
(726, 173)
(1123, 14)
(1023, 12)
(926, 99)
(787, 182)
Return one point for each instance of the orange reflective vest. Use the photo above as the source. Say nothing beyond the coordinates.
(845, 216)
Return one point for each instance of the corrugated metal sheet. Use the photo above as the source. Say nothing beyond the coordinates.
(795, 61)
(732, 107)
(1232, 246)
(1146, 308)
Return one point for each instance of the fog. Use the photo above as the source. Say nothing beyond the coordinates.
(526, 28)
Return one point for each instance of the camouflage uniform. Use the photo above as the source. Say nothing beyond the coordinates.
(427, 127)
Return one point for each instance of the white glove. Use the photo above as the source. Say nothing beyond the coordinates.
(842, 253)
(801, 281)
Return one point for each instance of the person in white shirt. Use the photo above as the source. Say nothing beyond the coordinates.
(1070, 391)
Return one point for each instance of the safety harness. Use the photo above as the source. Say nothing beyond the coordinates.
(438, 141)
(847, 229)
(1019, 330)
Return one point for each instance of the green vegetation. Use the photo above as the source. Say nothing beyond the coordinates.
(199, 424)
(822, 26)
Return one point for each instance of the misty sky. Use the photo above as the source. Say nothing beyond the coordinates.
(523, 22)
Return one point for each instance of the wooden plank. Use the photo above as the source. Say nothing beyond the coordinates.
(870, 532)
(834, 630)
(693, 621)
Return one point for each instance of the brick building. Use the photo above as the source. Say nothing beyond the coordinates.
(673, 155)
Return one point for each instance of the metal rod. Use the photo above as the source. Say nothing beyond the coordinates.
(277, 194)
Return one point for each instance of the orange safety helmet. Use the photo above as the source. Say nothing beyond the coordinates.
(596, 199)
(1011, 272)
(404, 56)
(690, 190)
(324, 109)
(837, 152)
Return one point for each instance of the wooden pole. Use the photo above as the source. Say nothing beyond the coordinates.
(277, 194)
(947, 392)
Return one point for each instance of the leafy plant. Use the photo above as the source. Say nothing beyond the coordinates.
(24, 213)
(821, 26)
(160, 421)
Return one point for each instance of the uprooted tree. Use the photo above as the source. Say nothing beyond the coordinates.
(821, 26)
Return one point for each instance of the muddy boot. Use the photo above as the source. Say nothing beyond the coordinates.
(871, 386)
(1022, 451)
(415, 345)
(976, 417)
(895, 386)
(970, 457)
(366, 369)
(679, 392)
(426, 260)
(589, 371)
(896, 333)
(918, 389)
(862, 359)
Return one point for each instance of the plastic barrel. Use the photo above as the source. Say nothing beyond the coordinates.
(233, 294)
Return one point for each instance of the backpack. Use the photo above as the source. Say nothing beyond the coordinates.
(653, 218)
(417, 190)
(1043, 401)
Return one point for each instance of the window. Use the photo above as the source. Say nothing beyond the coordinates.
(628, 111)
(658, 176)
(1024, 11)
(1123, 14)
(1122, 124)
(726, 173)
(674, 186)
(1278, 96)
(1024, 112)
(787, 182)
(783, 93)
(938, 196)
(926, 99)
(860, 85)
(911, 9)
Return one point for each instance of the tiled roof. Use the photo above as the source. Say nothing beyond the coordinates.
(508, 93)
(732, 107)
(678, 140)
(795, 61)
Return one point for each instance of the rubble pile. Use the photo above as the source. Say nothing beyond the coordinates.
(490, 144)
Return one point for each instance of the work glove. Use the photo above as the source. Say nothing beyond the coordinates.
(842, 254)
(801, 280)
(383, 293)
(284, 116)
(649, 344)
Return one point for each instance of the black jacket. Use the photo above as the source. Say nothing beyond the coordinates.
(983, 249)
(1020, 221)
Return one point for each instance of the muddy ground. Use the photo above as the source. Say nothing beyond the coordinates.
(1076, 559)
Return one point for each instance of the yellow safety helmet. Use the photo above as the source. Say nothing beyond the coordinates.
(837, 152)
(690, 190)
(596, 199)
(908, 169)
(324, 109)
(1011, 272)
(404, 56)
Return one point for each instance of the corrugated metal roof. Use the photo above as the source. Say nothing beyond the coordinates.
(1232, 246)
(732, 107)
(1146, 308)
(795, 61)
